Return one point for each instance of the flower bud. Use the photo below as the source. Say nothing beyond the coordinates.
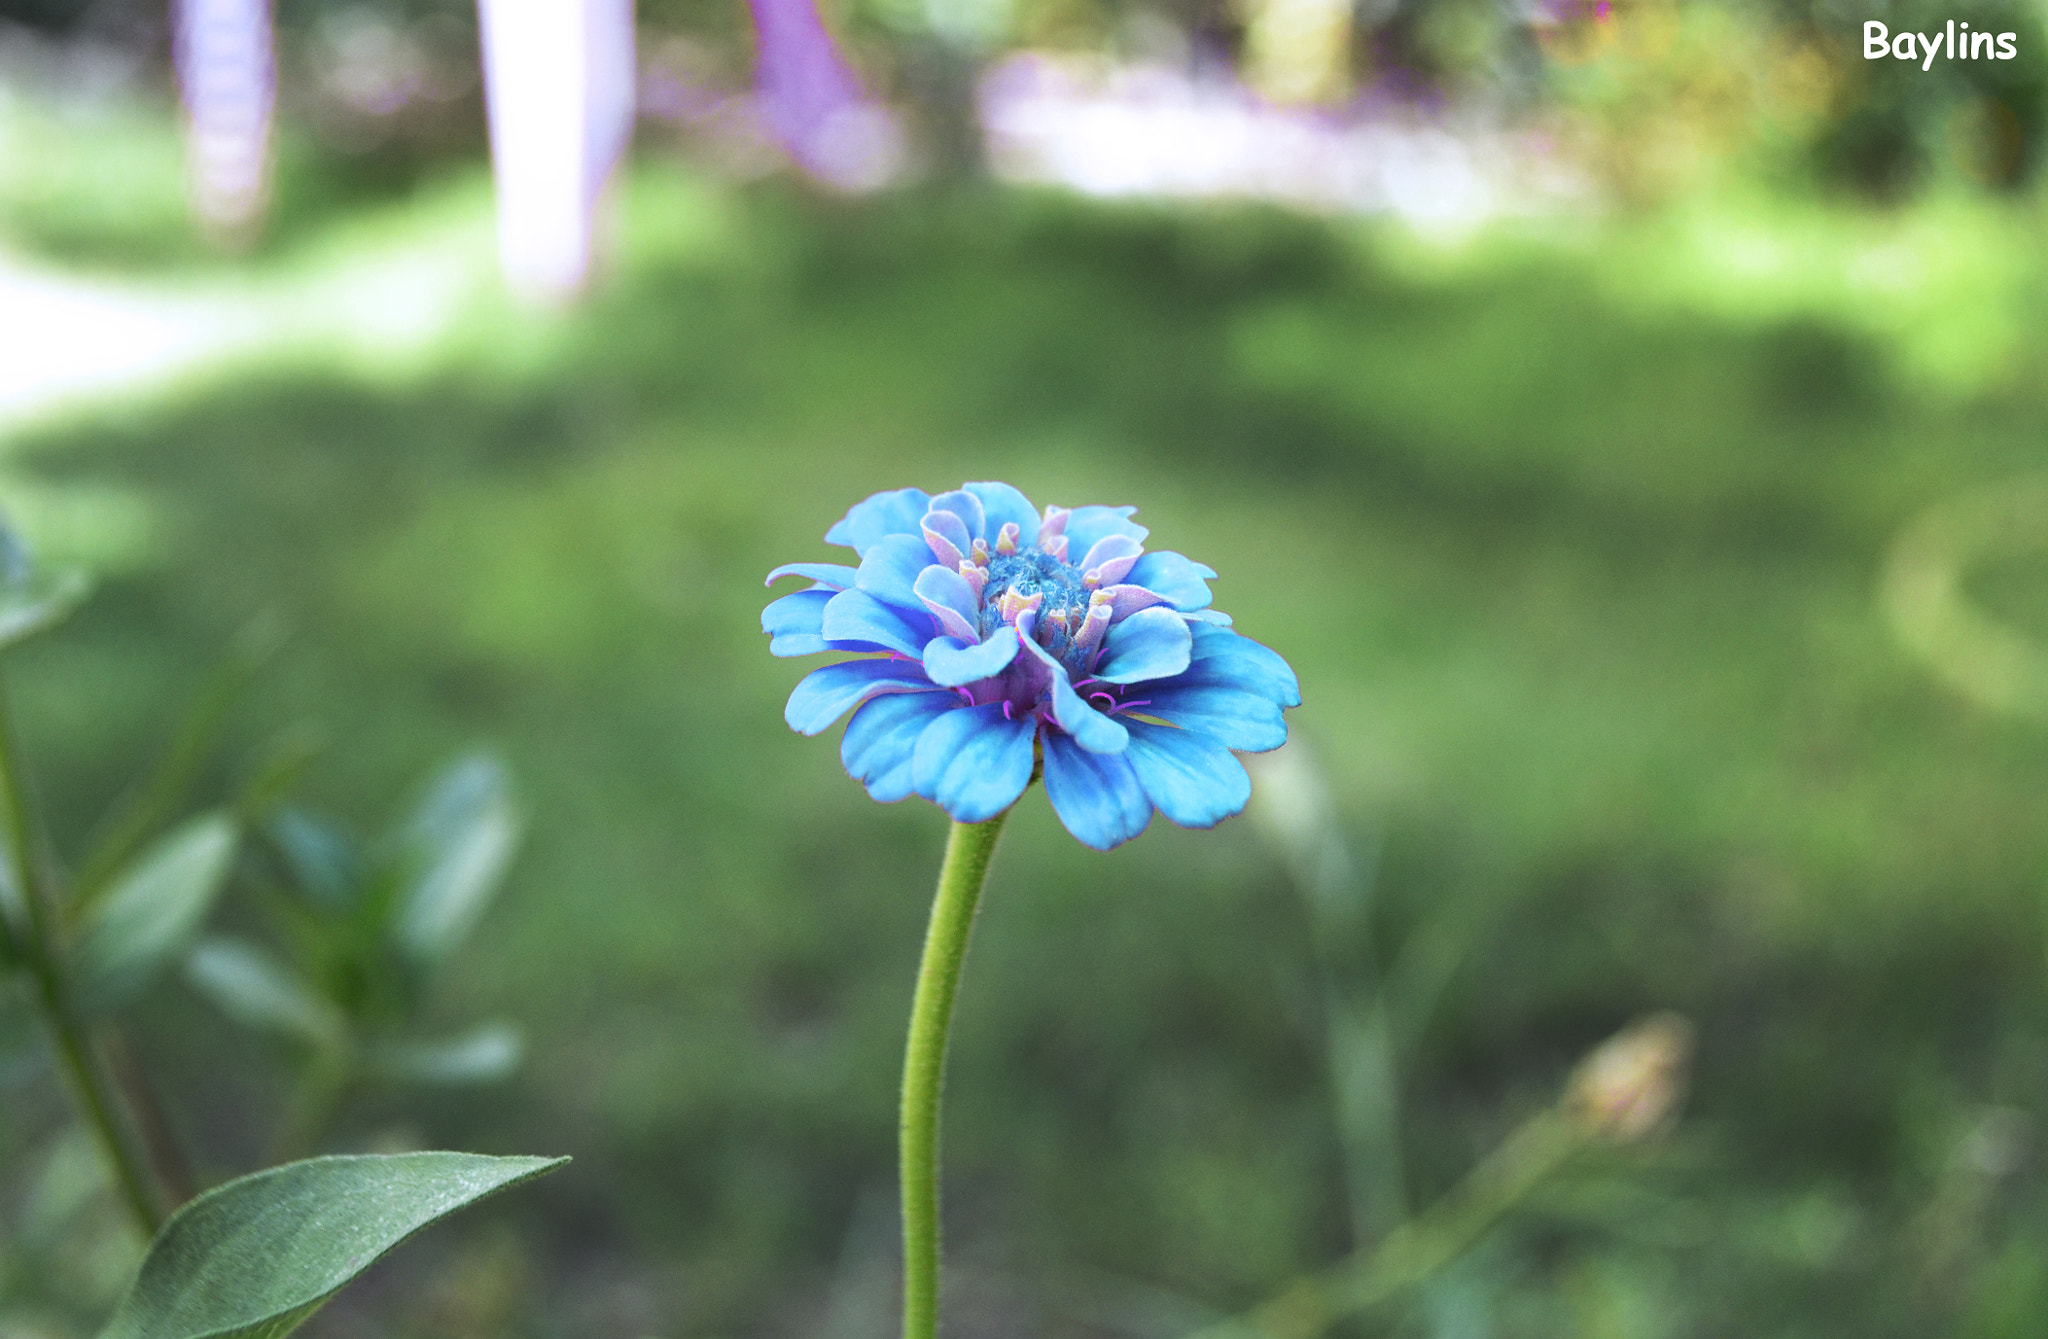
(1632, 1083)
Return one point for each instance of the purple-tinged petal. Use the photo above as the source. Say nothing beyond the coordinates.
(1195, 781)
(1055, 522)
(1236, 718)
(836, 575)
(829, 693)
(1011, 607)
(1226, 659)
(888, 571)
(893, 513)
(1094, 627)
(1091, 729)
(1096, 795)
(1085, 525)
(857, 621)
(1179, 580)
(951, 601)
(1002, 504)
(946, 535)
(882, 736)
(1109, 558)
(796, 623)
(955, 663)
(1151, 644)
(974, 762)
(967, 507)
(1128, 599)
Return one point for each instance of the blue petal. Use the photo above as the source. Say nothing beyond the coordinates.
(1229, 660)
(967, 507)
(1091, 729)
(1128, 598)
(973, 762)
(1086, 525)
(882, 736)
(1234, 717)
(829, 693)
(1178, 578)
(835, 575)
(892, 513)
(1110, 557)
(1151, 644)
(1000, 503)
(796, 622)
(949, 599)
(857, 621)
(1096, 795)
(889, 569)
(1194, 780)
(954, 663)
(946, 536)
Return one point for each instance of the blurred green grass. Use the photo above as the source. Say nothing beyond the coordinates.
(1574, 539)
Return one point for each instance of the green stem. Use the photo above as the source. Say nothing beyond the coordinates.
(38, 949)
(968, 850)
(1423, 1247)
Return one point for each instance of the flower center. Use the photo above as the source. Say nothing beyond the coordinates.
(1060, 599)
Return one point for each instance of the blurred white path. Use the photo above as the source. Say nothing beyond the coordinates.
(69, 339)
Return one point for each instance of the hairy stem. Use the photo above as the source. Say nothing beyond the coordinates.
(39, 952)
(968, 850)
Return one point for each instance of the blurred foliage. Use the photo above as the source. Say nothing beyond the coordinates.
(1574, 536)
(367, 927)
(1656, 98)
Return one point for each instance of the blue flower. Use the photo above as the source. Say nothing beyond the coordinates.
(994, 640)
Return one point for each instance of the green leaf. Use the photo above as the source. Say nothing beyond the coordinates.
(487, 1054)
(39, 601)
(454, 850)
(325, 868)
(256, 990)
(255, 1258)
(152, 910)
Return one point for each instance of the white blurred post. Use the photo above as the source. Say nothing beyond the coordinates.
(559, 85)
(227, 78)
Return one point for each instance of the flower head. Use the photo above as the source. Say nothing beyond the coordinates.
(992, 638)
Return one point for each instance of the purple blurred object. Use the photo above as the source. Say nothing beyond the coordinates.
(813, 103)
(227, 77)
